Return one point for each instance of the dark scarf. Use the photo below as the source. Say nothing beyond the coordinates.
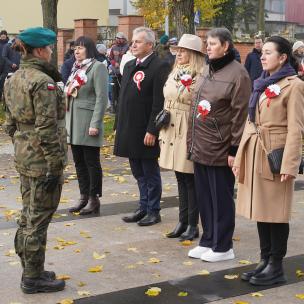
(219, 63)
(263, 82)
(41, 65)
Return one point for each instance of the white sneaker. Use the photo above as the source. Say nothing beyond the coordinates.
(211, 256)
(197, 252)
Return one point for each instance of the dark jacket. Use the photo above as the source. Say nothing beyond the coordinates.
(69, 54)
(2, 44)
(11, 57)
(212, 139)
(137, 109)
(66, 69)
(253, 64)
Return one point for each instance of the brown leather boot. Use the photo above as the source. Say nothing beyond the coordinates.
(92, 207)
(82, 202)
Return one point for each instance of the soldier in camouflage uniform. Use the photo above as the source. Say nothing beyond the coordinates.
(35, 115)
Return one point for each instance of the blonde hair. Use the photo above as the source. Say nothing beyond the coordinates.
(196, 62)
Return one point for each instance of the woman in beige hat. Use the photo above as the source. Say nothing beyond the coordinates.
(298, 53)
(178, 91)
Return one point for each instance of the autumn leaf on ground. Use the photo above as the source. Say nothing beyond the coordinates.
(72, 177)
(64, 200)
(188, 263)
(299, 273)
(300, 296)
(83, 293)
(97, 256)
(240, 302)
(81, 284)
(58, 247)
(245, 262)
(153, 252)
(120, 179)
(186, 243)
(66, 301)
(10, 253)
(133, 249)
(98, 268)
(77, 250)
(236, 238)
(203, 272)
(231, 276)
(153, 291)
(154, 261)
(182, 294)
(76, 213)
(63, 277)
(119, 228)
(56, 216)
(14, 263)
(85, 234)
(69, 224)
(2, 187)
(131, 266)
(257, 294)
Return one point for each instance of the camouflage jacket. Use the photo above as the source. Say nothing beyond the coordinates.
(35, 114)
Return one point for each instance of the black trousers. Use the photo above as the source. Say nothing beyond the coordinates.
(273, 239)
(214, 189)
(116, 90)
(188, 209)
(88, 169)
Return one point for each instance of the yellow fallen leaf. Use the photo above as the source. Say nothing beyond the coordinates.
(240, 302)
(85, 234)
(58, 247)
(56, 215)
(131, 266)
(299, 273)
(63, 277)
(98, 268)
(83, 293)
(120, 179)
(182, 294)
(66, 301)
(77, 250)
(76, 213)
(14, 263)
(2, 187)
(10, 253)
(231, 276)
(97, 256)
(188, 263)
(133, 249)
(69, 224)
(2, 176)
(245, 262)
(300, 296)
(153, 291)
(72, 177)
(203, 272)
(64, 200)
(257, 294)
(186, 243)
(157, 275)
(236, 238)
(154, 261)
(81, 284)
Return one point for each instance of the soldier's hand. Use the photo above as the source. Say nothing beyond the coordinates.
(51, 182)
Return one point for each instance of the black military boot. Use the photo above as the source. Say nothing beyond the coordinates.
(51, 275)
(41, 284)
(92, 207)
(191, 233)
(246, 276)
(82, 202)
(178, 230)
(272, 274)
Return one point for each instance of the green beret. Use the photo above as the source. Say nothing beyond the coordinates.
(37, 37)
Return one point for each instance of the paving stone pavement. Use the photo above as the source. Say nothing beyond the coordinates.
(130, 255)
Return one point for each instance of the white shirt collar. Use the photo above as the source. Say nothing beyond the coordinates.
(143, 59)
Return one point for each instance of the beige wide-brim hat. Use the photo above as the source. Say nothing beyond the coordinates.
(190, 42)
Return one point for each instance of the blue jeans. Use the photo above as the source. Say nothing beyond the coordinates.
(147, 174)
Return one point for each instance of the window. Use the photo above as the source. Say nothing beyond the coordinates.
(275, 6)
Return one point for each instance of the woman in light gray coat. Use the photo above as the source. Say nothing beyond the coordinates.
(86, 91)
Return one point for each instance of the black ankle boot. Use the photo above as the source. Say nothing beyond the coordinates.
(82, 202)
(272, 274)
(41, 284)
(191, 233)
(93, 206)
(246, 276)
(178, 230)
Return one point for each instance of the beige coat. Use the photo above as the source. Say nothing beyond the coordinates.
(261, 195)
(173, 140)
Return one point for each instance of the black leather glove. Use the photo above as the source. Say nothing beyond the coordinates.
(51, 182)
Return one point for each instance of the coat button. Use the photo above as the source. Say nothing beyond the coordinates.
(171, 144)
(163, 142)
(172, 125)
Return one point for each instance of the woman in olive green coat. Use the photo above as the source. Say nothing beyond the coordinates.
(87, 93)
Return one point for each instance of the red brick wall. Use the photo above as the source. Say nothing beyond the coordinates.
(127, 24)
(86, 27)
(63, 36)
(244, 48)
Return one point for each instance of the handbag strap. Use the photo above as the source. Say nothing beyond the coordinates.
(258, 133)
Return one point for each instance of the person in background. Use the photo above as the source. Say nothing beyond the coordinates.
(171, 55)
(126, 58)
(118, 49)
(218, 116)
(3, 41)
(11, 55)
(253, 63)
(136, 137)
(162, 49)
(70, 52)
(273, 123)
(173, 139)
(102, 51)
(35, 113)
(66, 68)
(86, 104)
(298, 53)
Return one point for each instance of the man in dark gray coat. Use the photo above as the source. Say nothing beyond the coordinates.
(141, 99)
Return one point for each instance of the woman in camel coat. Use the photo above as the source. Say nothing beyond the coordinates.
(173, 139)
(263, 196)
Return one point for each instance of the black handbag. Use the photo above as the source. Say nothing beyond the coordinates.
(162, 119)
(275, 160)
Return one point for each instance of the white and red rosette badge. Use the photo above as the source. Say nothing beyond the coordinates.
(203, 109)
(186, 81)
(79, 80)
(138, 77)
(271, 92)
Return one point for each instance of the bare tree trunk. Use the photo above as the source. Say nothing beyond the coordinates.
(261, 16)
(183, 12)
(49, 11)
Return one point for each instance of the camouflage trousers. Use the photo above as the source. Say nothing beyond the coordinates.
(31, 236)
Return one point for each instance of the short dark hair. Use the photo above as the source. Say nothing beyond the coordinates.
(223, 35)
(89, 44)
(3, 32)
(258, 37)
